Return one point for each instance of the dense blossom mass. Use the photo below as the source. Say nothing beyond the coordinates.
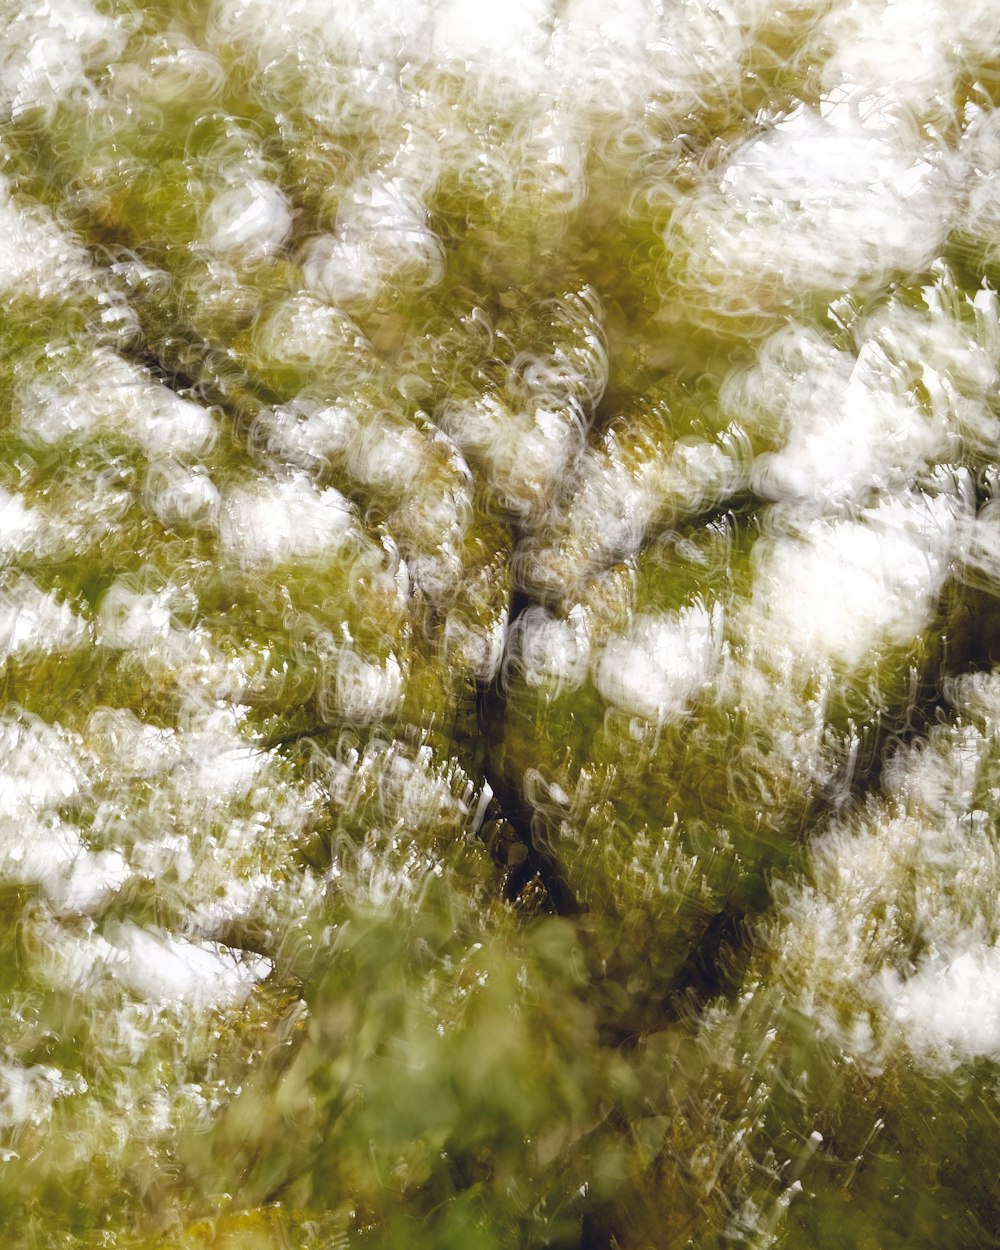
(499, 569)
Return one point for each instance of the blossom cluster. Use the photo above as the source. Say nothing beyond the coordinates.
(499, 566)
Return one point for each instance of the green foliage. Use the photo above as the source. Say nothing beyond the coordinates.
(499, 569)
